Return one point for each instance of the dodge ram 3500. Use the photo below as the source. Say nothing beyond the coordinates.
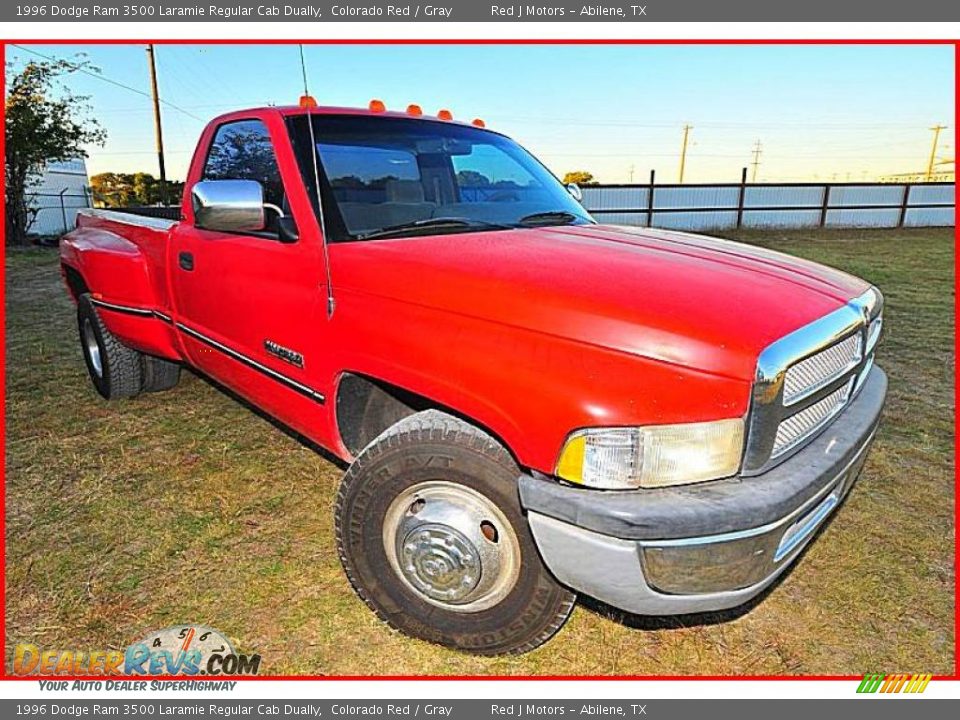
(531, 404)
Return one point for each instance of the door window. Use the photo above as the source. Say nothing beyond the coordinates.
(242, 151)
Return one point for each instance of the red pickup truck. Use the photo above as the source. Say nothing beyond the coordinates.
(531, 404)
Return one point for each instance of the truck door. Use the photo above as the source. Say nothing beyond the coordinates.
(248, 306)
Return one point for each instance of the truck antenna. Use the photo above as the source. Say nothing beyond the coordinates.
(309, 103)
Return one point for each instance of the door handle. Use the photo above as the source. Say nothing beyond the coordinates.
(186, 260)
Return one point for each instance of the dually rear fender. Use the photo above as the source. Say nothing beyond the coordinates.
(117, 275)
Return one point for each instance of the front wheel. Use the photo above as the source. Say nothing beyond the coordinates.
(432, 537)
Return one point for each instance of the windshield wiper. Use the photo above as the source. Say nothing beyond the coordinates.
(417, 226)
(550, 217)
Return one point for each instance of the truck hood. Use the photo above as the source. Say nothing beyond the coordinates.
(703, 303)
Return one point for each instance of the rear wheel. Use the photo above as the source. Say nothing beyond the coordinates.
(159, 374)
(433, 539)
(115, 370)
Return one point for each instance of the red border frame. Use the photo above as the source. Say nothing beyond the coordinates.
(4, 676)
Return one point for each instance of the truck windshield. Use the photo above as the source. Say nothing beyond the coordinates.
(397, 177)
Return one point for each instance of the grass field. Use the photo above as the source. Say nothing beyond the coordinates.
(188, 507)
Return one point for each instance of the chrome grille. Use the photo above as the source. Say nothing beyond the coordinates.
(808, 376)
(805, 379)
(798, 427)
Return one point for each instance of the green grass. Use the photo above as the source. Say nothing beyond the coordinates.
(187, 507)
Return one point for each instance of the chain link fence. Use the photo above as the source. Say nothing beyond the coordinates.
(56, 213)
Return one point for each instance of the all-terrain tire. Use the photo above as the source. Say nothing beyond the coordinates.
(116, 371)
(434, 448)
(159, 374)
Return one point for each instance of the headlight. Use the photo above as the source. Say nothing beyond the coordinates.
(651, 457)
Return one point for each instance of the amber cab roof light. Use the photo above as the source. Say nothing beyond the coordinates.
(378, 106)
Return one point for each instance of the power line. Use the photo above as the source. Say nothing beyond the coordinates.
(195, 73)
(719, 124)
(111, 81)
(100, 153)
(826, 156)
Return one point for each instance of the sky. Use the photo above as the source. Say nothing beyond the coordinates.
(820, 112)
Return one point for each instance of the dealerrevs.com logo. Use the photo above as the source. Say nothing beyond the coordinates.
(895, 683)
(187, 650)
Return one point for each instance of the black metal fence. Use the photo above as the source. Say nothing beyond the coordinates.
(165, 212)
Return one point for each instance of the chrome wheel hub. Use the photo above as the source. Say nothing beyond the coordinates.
(452, 546)
(93, 348)
(440, 562)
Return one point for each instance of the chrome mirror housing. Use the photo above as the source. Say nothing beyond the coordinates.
(229, 205)
(575, 191)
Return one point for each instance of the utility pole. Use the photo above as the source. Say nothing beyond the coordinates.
(683, 150)
(630, 173)
(157, 126)
(933, 151)
(757, 149)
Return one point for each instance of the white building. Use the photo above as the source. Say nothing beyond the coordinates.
(62, 190)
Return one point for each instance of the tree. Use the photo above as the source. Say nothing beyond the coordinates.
(119, 190)
(241, 153)
(113, 189)
(44, 123)
(580, 177)
(472, 178)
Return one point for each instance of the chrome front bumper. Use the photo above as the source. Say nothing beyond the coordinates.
(704, 547)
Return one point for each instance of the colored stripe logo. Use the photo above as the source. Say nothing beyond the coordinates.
(898, 683)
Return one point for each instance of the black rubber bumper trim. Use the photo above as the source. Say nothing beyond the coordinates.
(720, 506)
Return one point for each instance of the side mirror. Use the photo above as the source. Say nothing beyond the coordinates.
(575, 191)
(229, 205)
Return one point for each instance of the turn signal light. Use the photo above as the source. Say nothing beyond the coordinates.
(414, 110)
(444, 115)
(377, 106)
(307, 101)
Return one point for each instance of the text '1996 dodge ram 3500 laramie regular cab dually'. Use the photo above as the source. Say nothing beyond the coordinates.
(532, 404)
